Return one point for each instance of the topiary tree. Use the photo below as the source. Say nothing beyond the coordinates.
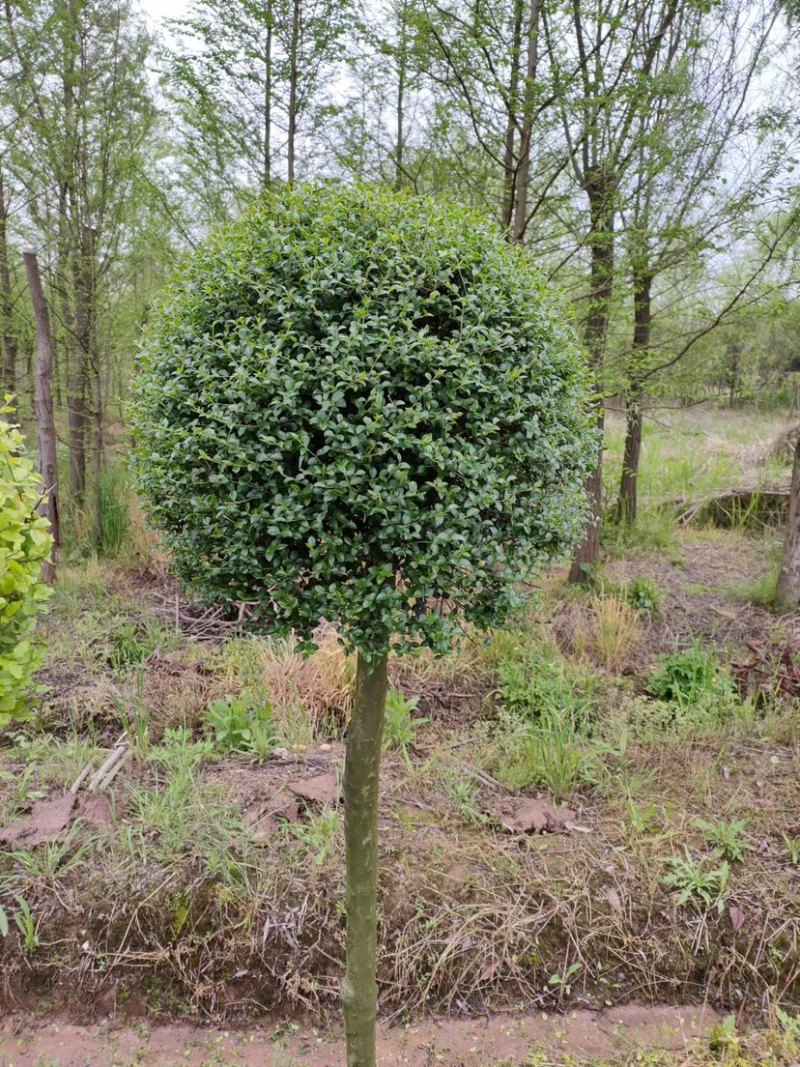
(364, 408)
(25, 544)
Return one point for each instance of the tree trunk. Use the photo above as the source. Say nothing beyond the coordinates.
(788, 590)
(294, 74)
(267, 175)
(8, 378)
(509, 161)
(48, 462)
(526, 134)
(628, 487)
(628, 501)
(97, 411)
(587, 552)
(361, 779)
(601, 190)
(400, 104)
(76, 387)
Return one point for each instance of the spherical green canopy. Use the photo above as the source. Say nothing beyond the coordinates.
(366, 408)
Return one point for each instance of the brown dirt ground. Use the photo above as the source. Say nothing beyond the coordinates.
(447, 1043)
(701, 600)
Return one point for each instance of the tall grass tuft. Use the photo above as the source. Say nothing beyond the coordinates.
(113, 498)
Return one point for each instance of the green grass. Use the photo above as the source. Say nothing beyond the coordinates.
(690, 454)
(686, 457)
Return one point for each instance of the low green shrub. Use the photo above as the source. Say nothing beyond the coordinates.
(643, 594)
(689, 676)
(240, 724)
(25, 542)
(547, 753)
(536, 683)
(399, 726)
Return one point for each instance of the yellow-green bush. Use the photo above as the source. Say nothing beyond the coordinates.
(25, 543)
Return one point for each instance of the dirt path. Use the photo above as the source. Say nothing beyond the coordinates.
(26, 1042)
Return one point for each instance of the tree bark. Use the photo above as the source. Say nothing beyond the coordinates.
(8, 380)
(294, 74)
(361, 797)
(509, 157)
(267, 164)
(627, 504)
(628, 501)
(520, 223)
(48, 462)
(80, 359)
(788, 590)
(601, 190)
(400, 102)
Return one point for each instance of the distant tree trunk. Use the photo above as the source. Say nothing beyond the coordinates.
(77, 384)
(520, 223)
(267, 175)
(642, 315)
(628, 501)
(735, 349)
(601, 190)
(361, 799)
(48, 461)
(8, 379)
(400, 111)
(509, 155)
(788, 590)
(88, 256)
(294, 74)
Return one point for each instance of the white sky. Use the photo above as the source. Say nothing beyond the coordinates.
(156, 10)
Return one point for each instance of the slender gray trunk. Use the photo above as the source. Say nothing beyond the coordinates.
(361, 799)
(48, 461)
(294, 74)
(399, 173)
(601, 190)
(267, 175)
(628, 502)
(788, 590)
(8, 378)
(520, 223)
(509, 150)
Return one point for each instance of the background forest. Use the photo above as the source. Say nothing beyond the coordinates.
(592, 808)
(643, 153)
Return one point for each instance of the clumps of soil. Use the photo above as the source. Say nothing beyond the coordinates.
(52, 817)
(264, 815)
(534, 815)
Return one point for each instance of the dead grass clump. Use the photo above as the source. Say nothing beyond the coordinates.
(609, 633)
(782, 446)
(311, 696)
(173, 692)
(447, 686)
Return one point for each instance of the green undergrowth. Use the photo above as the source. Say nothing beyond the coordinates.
(677, 879)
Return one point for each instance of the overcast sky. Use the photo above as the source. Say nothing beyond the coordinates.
(157, 10)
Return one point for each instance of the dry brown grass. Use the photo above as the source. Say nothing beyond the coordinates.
(609, 634)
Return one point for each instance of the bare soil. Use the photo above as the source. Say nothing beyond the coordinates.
(506, 1039)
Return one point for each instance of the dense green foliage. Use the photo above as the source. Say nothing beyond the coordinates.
(356, 406)
(24, 544)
